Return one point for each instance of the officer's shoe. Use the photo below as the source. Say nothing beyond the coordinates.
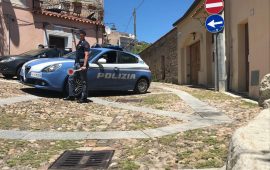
(82, 101)
(69, 98)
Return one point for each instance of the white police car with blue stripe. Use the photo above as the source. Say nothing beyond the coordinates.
(109, 69)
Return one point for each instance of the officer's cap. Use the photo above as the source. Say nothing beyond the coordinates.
(82, 32)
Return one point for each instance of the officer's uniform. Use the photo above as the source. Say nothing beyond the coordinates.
(81, 48)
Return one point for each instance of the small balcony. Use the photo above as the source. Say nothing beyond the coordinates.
(89, 9)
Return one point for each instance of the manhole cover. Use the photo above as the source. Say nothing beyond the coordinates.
(83, 160)
(129, 100)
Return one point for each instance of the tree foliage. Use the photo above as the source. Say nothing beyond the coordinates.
(139, 47)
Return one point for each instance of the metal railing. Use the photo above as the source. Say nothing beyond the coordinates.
(90, 9)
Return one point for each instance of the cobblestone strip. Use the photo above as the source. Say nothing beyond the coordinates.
(201, 108)
(119, 105)
(197, 105)
(13, 100)
(140, 134)
(193, 121)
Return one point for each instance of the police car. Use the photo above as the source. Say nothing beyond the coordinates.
(109, 69)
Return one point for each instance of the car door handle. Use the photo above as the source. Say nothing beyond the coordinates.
(116, 68)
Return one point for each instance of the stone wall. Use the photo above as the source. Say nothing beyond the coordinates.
(264, 97)
(162, 58)
(250, 145)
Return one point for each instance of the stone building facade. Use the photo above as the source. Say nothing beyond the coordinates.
(25, 24)
(248, 42)
(122, 39)
(161, 57)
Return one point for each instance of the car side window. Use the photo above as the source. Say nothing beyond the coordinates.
(110, 56)
(125, 58)
(53, 53)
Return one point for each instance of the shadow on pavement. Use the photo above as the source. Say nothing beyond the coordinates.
(2, 77)
(54, 94)
(42, 93)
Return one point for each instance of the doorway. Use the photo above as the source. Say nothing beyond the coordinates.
(163, 70)
(243, 64)
(247, 56)
(56, 42)
(195, 63)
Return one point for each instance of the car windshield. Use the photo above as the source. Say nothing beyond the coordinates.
(92, 54)
(34, 52)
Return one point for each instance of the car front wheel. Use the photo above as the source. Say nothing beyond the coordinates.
(142, 86)
(78, 87)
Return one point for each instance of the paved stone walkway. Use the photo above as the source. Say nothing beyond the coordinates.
(18, 99)
(204, 116)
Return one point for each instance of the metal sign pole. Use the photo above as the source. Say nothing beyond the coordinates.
(216, 63)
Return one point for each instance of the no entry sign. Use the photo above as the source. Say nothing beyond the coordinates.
(214, 6)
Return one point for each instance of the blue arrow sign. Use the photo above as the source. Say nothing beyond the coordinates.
(214, 23)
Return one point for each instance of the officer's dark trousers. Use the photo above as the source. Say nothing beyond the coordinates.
(83, 77)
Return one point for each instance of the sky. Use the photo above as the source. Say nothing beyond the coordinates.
(154, 17)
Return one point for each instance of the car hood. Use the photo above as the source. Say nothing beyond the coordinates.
(7, 56)
(15, 56)
(40, 64)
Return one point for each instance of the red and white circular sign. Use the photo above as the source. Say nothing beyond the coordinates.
(214, 6)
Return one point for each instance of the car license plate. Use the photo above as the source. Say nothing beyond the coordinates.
(36, 75)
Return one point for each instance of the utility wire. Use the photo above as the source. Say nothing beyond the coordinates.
(139, 6)
(128, 23)
(130, 19)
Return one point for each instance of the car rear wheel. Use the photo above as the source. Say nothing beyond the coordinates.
(142, 86)
(8, 76)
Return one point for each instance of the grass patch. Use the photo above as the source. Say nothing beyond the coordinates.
(35, 156)
(142, 125)
(193, 134)
(159, 100)
(210, 95)
(248, 105)
(184, 155)
(128, 165)
(209, 164)
(208, 152)
(168, 140)
(137, 152)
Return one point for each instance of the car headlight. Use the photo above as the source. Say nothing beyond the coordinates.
(52, 68)
(7, 60)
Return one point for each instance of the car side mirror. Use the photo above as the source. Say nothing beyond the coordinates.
(102, 61)
(43, 55)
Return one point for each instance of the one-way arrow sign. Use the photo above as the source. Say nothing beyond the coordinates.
(214, 23)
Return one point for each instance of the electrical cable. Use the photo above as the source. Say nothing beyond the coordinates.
(137, 8)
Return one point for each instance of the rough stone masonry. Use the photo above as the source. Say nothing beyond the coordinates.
(162, 58)
(264, 99)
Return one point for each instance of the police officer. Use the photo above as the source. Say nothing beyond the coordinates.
(81, 62)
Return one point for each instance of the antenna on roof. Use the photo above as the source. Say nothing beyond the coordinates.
(108, 30)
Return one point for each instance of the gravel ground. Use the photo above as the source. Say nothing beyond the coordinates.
(58, 115)
(201, 148)
(156, 98)
(11, 90)
(237, 109)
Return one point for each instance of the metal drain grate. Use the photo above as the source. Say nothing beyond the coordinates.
(83, 160)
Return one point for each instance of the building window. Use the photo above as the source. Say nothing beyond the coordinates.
(57, 42)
